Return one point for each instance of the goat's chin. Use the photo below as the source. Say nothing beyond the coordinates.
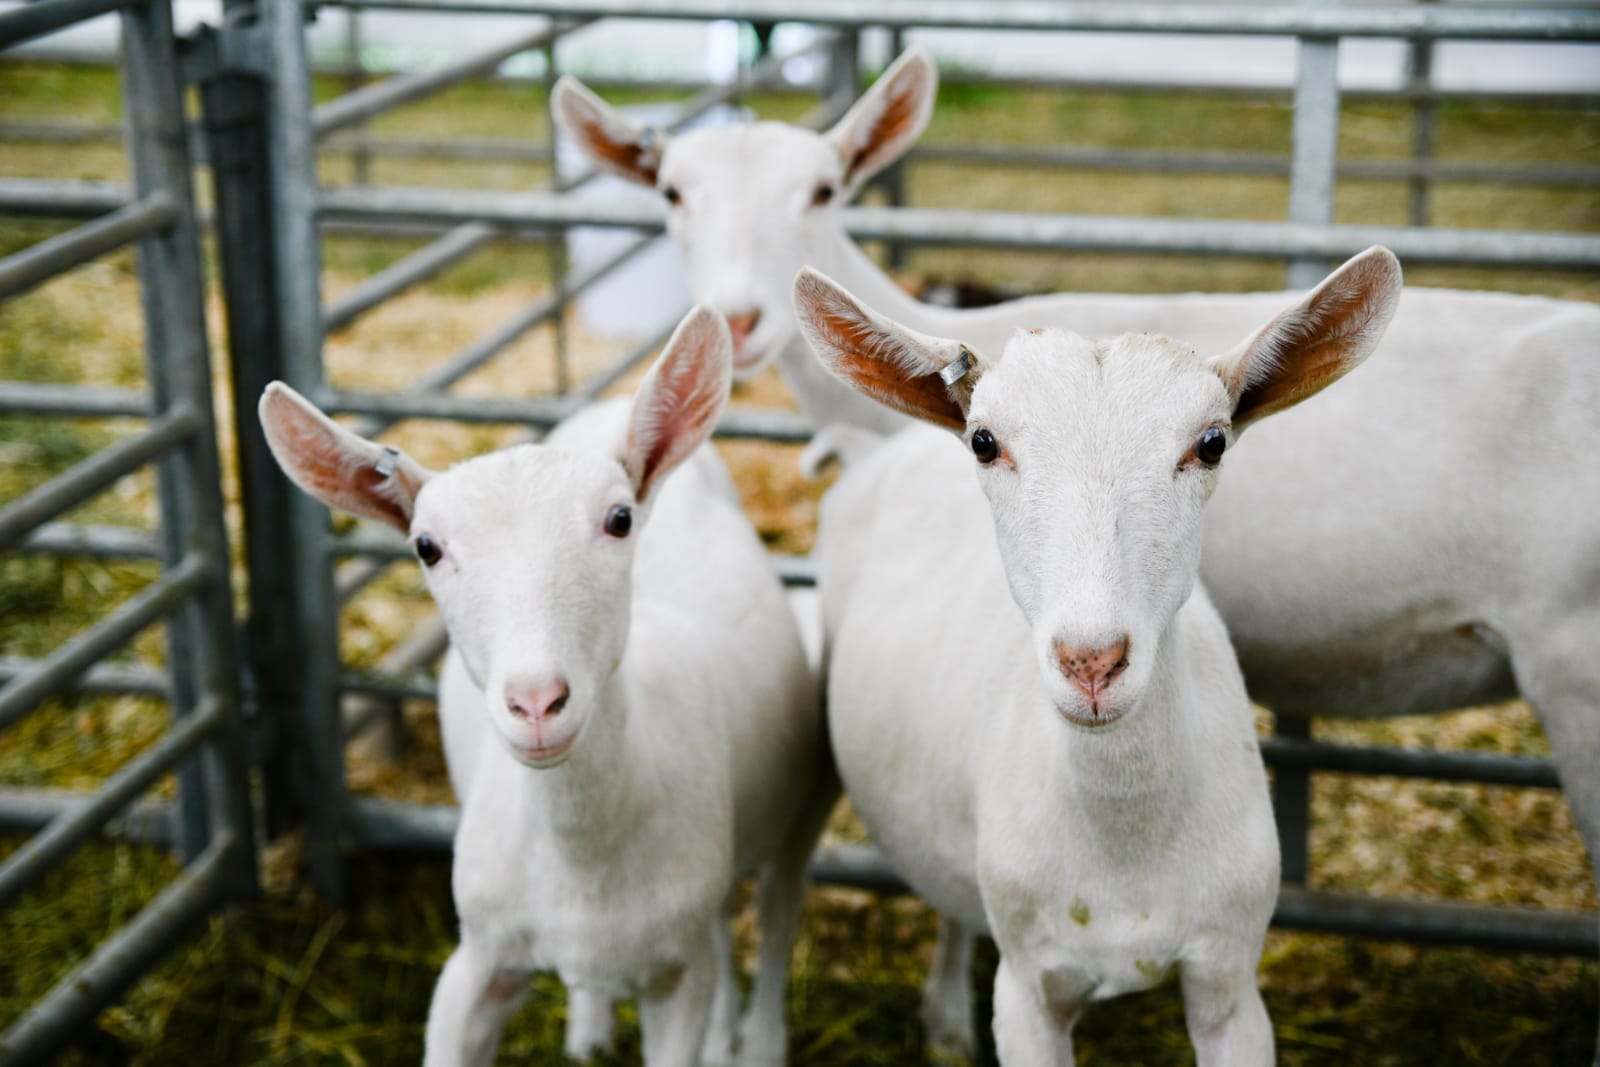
(540, 751)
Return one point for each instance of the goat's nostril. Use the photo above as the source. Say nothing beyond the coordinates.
(541, 701)
(558, 703)
(743, 324)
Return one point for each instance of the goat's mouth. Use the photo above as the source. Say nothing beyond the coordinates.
(1095, 715)
(748, 358)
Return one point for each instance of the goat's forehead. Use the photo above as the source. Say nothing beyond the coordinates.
(1138, 377)
(771, 151)
(503, 490)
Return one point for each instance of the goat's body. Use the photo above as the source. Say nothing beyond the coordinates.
(1100, 863)
(608, 868)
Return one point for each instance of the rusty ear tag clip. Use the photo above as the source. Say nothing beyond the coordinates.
(387, 459)
(958, 368)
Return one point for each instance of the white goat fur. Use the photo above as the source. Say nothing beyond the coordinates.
(696, 749)
(1136, 836)
(1423, 538)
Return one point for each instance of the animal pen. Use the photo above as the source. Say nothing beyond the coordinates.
(262, 706)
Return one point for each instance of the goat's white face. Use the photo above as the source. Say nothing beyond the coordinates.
(1091, 456)
(748, 206)
(1097, 457)
(528, 553)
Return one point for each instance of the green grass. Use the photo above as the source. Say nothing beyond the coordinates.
(289, 979)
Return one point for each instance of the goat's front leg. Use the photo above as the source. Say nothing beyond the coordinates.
(470, 1006)
(1033, 1021)
(590, 1024)
(1227, 1020)
(947, 993)
(675, 1009)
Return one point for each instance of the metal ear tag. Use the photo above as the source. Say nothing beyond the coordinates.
(387, 460)
(648, 140)
(957, 368)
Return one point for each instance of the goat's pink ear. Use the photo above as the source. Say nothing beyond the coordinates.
(679, 401)
(888, 118)
(1316, 342)
(337, 467)
(928, 377)
(607, 136)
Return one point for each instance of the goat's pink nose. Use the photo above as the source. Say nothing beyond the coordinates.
(1092, 669)
(539, 701)
(741, 326)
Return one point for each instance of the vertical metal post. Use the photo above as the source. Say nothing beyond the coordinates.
(1419, 78)
(318, 735)
(1291, 803)
(1316, 146)
(213, 791)
(556, 246)
(233, 105)
(355, 76)
(844, 70)
(893, 180)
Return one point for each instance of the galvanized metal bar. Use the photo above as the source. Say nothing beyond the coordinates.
(375, 99)
(57, 671)
(121, 959)
(1163, 162)
(55, 255)
(79, 483)
(1316, 149)
(414, 268)
(233, 116)
(540, 412)
(1291, 802)
(311, 722)
(1233, 20)
(1286, 753)
(1419, 75)
(135, 678)
(593, 387)
(1438, 922)
(45, 849)
(77, 539)
(72, 401)
(53, 198)
(26, 811)
(39, 17)
(1004, 229)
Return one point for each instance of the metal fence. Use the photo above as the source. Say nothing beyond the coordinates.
(209, 822)
(253, 77)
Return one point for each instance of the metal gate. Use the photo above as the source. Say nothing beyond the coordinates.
(302, 703)
(209, 822)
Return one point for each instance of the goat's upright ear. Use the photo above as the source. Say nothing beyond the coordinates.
(928, 377)
(1316, 342)
(607, 136)
(679, 401)
(888, 118)
(337, 467)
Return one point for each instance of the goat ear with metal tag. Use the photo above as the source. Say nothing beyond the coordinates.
(931, 378)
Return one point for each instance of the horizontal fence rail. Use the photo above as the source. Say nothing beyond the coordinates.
(1035, 15)
(1015, 230)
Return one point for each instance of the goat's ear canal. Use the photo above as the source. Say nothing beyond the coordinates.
(337, 467)
(679, 401)
(928, 377)
(888, 119)
(608, 137)
(1316, 342)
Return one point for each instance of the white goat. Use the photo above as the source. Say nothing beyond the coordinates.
(628, 716)
(1081, 776)
(1423, 539)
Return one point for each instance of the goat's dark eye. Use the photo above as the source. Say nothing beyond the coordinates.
(823, 195)
(619, 520)
(984, 446)
(673, 196)
(427, 549)
(1211, 445)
